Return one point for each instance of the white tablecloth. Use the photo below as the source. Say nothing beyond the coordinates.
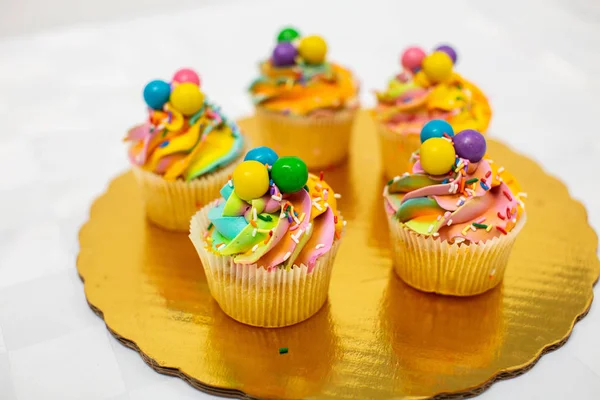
(68, 94)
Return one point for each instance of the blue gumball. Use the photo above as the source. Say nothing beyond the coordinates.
(156, 94)
(263, 155)
(436, 129)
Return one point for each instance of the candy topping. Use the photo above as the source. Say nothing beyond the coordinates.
(186, 75)
(437, 66)
(436, 128)
(289, 174)
(313, 49)
(284, 54)
(470, 144)
(156, 94)
(437, 156)
(187, 98)
(448, 50)
(412, 58)
(287, 35)
(262, 154)
(250, 180)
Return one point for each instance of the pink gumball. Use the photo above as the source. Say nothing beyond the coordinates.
(412, 58)
(186, 75)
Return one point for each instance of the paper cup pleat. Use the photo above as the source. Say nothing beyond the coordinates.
(255, 296)
(321, 141)
(171, 204)
(437, 266)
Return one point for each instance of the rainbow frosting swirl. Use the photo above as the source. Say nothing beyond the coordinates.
(428, 88)
(186, 136)
(474, 201)
(277, 228)
(297, 79)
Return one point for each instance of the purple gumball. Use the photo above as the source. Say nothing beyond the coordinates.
(470, 144)
(284, 54)
(448, 50)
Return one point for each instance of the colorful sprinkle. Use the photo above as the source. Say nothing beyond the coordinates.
(321, 175)
(283, 350)
(522, 194)
(472, 180)
(254, 248)
(500, 170)
(287, 255)
(501, 230)
(449, 222)
(276, 198)
(319, 246)
(337, 196)
(480, 226)
(487, 175)
(502, 217)
(267, 218)
(484, 186)
(507, 195)
(254, 231)
(210, 226)
(489, 228)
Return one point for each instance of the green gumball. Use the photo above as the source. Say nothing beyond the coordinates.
(290, 174)
(287, 35)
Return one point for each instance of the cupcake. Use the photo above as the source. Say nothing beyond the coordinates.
(268, 245)
(184, 152)
(426, 89)
(453, 220)
(305, 105)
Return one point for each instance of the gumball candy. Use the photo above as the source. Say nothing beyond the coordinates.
(436, 129)
(264, 155)
(156, 94)
(287, 35)
(290, 174)
(250, 180)
(284, 54)
(186, 75)
(412, 58)
(437, 66)
(313, 49)
(448, 50)
(437, 156)
(187, 98)
(470, 144)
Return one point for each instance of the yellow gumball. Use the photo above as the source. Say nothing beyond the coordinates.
(437, 66)
(250, 180)
(187, 98)
(312, 49)
(437, 156)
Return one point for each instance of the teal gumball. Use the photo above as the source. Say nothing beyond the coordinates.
(156, 94)
(436, 129)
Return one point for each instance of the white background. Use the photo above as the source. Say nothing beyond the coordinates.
(71, 76)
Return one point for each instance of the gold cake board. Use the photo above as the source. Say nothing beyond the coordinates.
(376, 337)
